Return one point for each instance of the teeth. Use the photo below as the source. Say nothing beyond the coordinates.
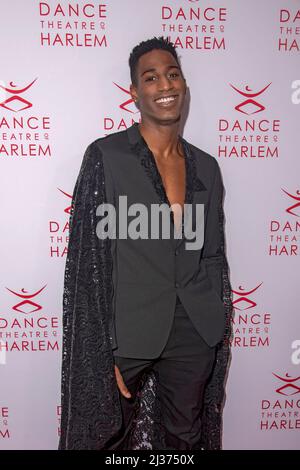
(166, 100)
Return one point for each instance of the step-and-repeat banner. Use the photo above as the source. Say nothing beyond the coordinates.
(64, 82)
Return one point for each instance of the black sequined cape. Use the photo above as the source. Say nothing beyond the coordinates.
(90, 406)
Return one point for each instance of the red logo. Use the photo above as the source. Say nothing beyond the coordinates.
(33, 306)
(67, 209)
(128, 102)
(243, 298)
(16, 103)
(249, 102)
(289, 388)
(296, 197)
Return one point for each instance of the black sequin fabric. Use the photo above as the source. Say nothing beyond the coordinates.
(90, 406)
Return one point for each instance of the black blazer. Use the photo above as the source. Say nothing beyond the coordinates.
(149, 274)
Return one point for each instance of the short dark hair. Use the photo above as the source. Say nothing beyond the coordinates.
(147, 46)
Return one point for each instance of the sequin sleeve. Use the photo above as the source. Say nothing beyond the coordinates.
(218, 272)
(90, 409)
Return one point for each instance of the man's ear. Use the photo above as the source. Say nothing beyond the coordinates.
(185, 86)
(132, 90)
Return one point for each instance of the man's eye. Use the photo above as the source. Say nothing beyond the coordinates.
(172, 75)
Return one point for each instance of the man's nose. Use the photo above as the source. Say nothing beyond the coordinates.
(165, 83)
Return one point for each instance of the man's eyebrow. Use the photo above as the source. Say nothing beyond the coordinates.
(154, 69)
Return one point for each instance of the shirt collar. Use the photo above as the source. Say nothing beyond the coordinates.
(137, 141)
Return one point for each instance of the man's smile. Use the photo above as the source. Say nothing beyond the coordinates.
(166, 100)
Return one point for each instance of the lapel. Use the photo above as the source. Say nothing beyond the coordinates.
(195, 190)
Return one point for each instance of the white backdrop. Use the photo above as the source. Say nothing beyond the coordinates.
(64, 82)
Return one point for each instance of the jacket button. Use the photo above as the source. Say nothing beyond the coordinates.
(176, 284)
(176, 252)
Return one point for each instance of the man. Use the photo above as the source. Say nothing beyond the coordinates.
(146, 320)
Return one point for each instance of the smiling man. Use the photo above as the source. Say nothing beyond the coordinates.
(146, 321)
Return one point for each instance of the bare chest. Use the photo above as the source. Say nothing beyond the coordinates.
(173, 177)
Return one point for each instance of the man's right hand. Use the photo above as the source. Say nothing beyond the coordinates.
(121, 385)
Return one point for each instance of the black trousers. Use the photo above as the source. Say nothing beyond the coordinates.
(183, 369)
